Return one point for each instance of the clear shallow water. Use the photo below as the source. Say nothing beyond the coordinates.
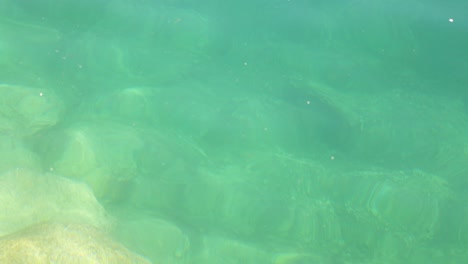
(257, 132)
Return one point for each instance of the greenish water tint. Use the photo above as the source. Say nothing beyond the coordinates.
(283, 131)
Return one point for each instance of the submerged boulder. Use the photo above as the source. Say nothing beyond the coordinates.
(24, 111)
(66, 244)
(101, 155)
(28, 198)
(15, 154)
(159, 240)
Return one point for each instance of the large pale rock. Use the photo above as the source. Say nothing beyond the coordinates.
(66, 244)
(28, 198)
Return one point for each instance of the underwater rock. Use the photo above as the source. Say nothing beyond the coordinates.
(133, 105)
(314, 224)
(401, 129)
(323, 118)
(407, 203)
(14, 154)
(269, 195)
(216, 249)
(66, 244)
(158, 240)
(25, 111)
(243, 122)
(168, 165)
(28, 198)
(274, 196)
(100, 154)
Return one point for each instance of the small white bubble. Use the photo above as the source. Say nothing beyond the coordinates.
(451, 20)
(41, 94)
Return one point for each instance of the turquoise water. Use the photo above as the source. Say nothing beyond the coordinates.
(284, 131)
